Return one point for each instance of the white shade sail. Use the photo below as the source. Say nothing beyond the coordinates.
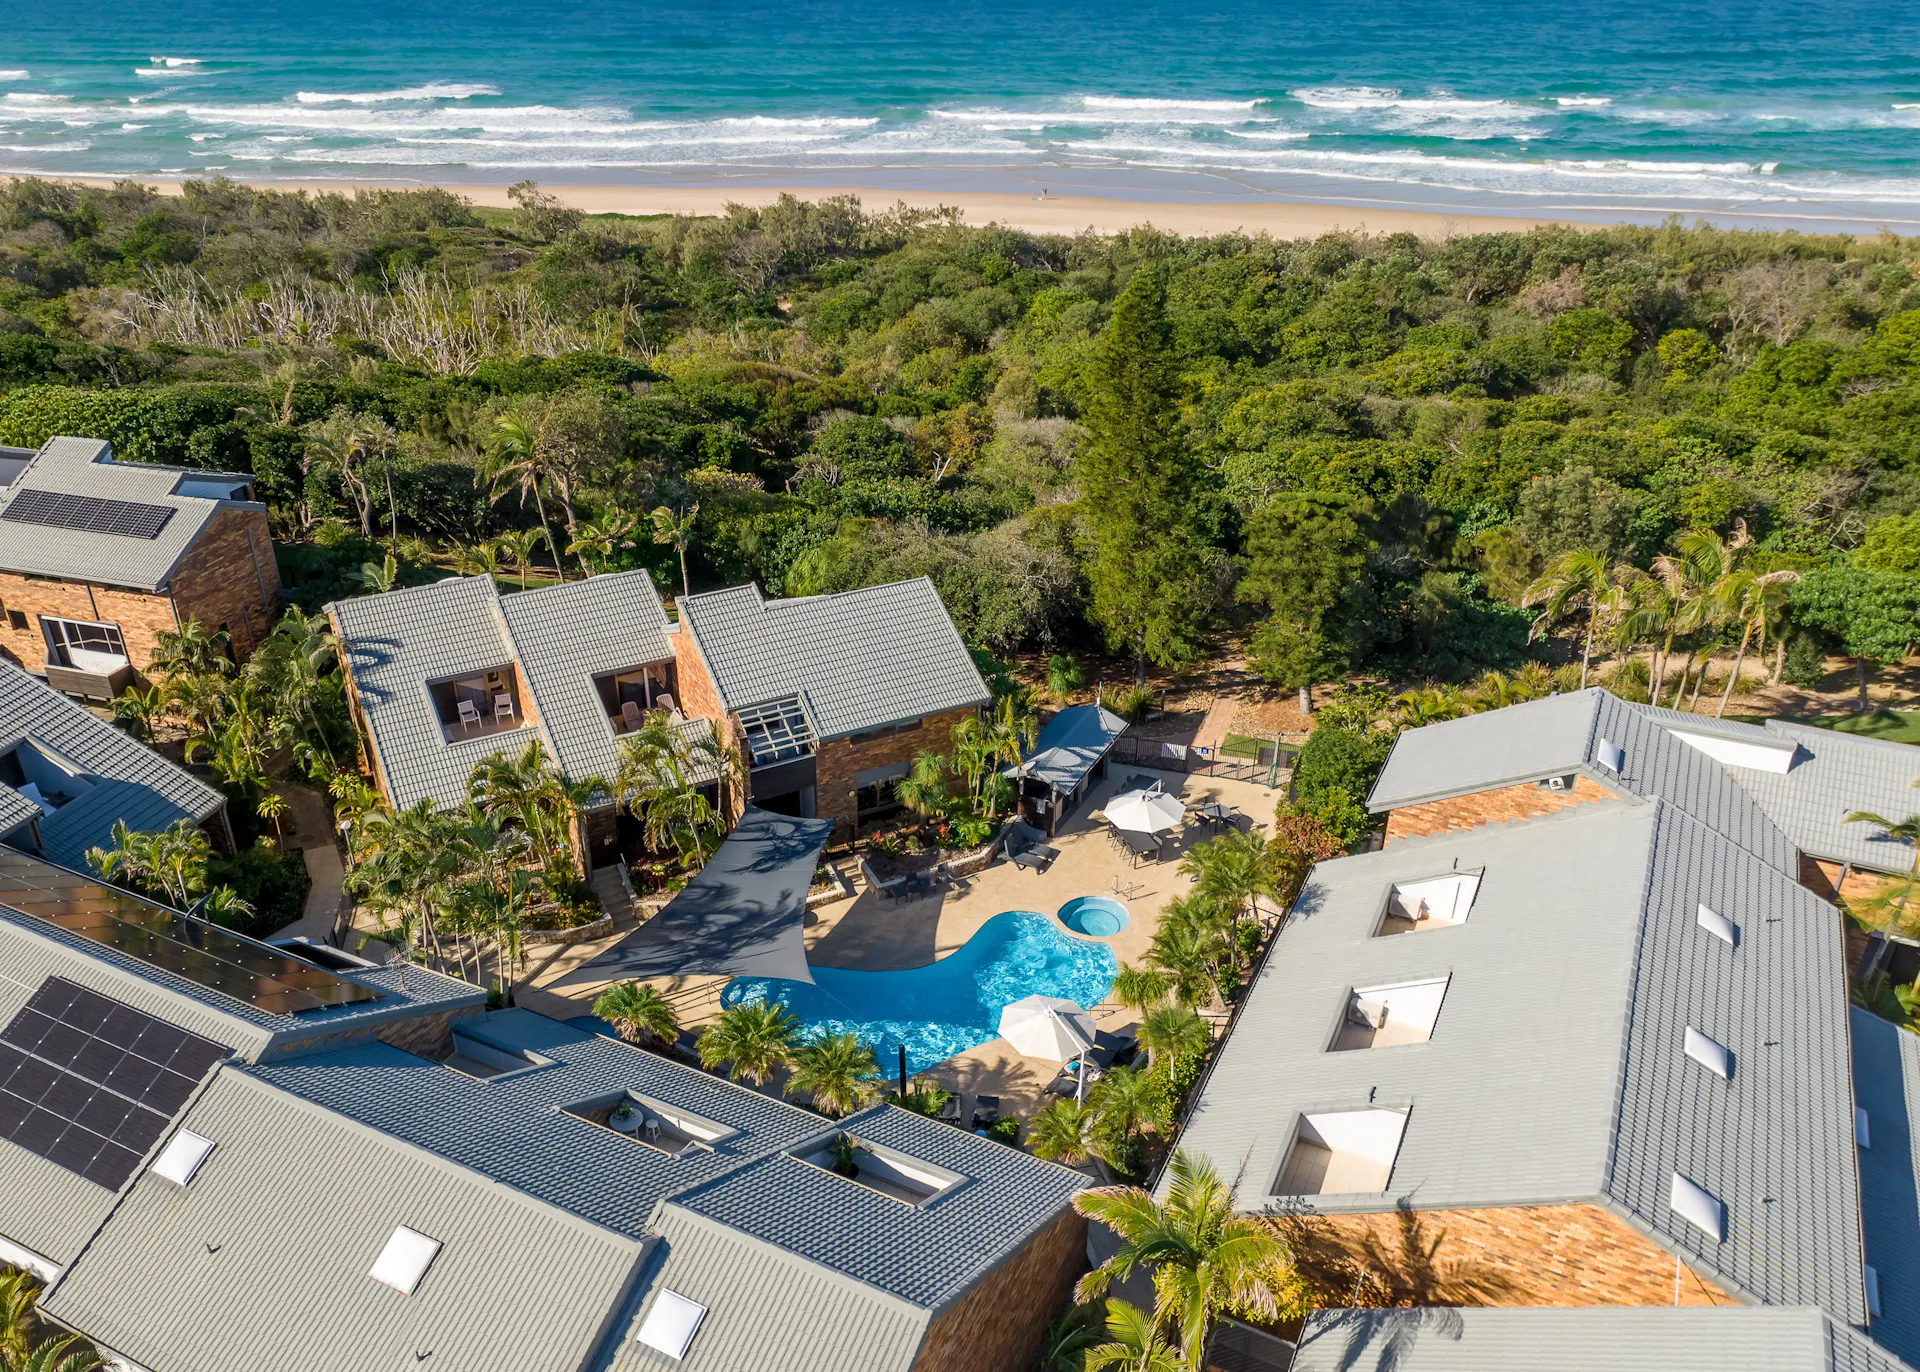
(1047, 1027)
(1144, 812)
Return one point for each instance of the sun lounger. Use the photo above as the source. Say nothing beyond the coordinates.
(950, 1111)
(986, 1111)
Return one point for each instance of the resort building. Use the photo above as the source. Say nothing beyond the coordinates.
(357, 1167)
(66, 776)
(444, 676)
(827, 698)
(1587, 1013)
(97, 557)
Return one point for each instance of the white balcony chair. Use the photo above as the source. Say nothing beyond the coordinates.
(631, 715)
(469, 715)
(502, 708)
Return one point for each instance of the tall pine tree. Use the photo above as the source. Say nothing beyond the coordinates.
(1138, 480)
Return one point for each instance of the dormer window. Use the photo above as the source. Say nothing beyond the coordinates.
(1432, 903)
(479, 703)
(1389, 1016)
(889, 1171)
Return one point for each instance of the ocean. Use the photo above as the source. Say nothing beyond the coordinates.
(1793, 112)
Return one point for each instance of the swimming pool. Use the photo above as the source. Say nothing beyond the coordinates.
(1094, 916)
(949, 1006)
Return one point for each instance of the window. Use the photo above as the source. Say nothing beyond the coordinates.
(182, 1156)
(1388, 1016)
(647, 1120)
(1433, 903)
(1342, 1152)
(16, 619)
(85, 645)
(670, 1326)
(873, 791)
(405, 1259)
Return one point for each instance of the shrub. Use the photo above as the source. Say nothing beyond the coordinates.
(274, 882)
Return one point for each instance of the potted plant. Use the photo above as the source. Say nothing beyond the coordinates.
(624, 1116)
(846, 1158)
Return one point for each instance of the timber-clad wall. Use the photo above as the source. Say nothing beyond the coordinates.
(226, 577)
(840, 761)
(1529, 800)
(999, 1325)
(1552, 1254)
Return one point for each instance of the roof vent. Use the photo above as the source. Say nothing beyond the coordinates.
(1611, 756)
(182, 1157)
(670, 1326)
(1862, 1132)
(404, 1260)
(1719, 926)
(1698, 1207)
(1716, 1057)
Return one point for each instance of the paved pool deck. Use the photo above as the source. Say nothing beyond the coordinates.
(871, 934)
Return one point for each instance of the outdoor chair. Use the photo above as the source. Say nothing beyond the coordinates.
(986, 1111)
(502, 708)
(950, 1111)
(469, 714)
(632, 715)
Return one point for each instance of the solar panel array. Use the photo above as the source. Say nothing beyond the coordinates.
(90, 1084)
(161, 937)
(88, 514)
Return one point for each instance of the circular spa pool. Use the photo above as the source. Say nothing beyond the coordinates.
(1094, 916)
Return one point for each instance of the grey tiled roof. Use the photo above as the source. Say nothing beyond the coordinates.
(1833, 775)
(769, 1310)
(559, 638)
(1562, 734)
(1602, 1339)
(1071, 743)
(1886, 1084)
(512, 1129)
(1555, 1071)
(860, 659)
(132, 781)
(927, 1254)
(84, 466)
(262, 1260)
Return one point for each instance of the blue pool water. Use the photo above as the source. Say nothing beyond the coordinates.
(1095, 916)
(947, 1006)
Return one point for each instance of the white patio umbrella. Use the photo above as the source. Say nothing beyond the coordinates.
(1144, 812)
(1049, 1027)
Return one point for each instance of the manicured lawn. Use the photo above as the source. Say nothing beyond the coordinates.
(1894, 726)
(1241, 745)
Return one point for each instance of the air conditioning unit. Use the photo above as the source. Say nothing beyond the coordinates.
(1557, 784)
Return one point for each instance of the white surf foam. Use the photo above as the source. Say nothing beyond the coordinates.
(433, 90)
(1582, 102)
(1128, 102)
(21, 74)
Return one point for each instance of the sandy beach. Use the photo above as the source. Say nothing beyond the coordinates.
(1055, 214)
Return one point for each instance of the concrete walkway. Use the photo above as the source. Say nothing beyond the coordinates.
(309, 822)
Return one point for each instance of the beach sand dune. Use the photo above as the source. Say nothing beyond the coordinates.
(1055, 214)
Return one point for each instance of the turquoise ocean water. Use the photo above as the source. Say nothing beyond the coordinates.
(1792, 112)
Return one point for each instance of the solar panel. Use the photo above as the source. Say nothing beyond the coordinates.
(162, 937)
(88, 514)
(90, 1084)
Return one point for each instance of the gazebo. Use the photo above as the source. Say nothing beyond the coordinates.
(741, 916)
(1069, 754)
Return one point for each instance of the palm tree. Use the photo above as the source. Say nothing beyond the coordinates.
(601, 537)
(1580, 578)
(1062, 1132)
(289, 667)
(1752, 600)
(1064, 677)
(517, 462)
(657, 783)
(478, 559)
(638, 1013)
(1125, 1103)
(923, 789)
(518, 545)
(1135, 1343)
(1140, 987)
(1234, 871)
(190, 651)
(171, 861)
(839, 1071)
(138, 709)
(1187, 948)
(1009, 733)
(1905, 831)
(754, 1038)
(1203, 1258)
(677, 529)
(1428, 704)
(973, 751)
(526, 788)
(1173, 1031)
(272, 807)
(57, 1355)
(19, 1296)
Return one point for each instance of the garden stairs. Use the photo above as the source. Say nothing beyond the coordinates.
(610, 886)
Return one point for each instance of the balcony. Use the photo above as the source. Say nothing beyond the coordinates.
(1442, 902)
(1389, 1016)
(629, 696)
(102, 682)
(1345, 1152)
(478, 705)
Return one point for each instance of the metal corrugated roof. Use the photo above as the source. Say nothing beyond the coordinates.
(1562, 734)
(84, 466)
(926, 1254)
(1618, 1339)
(1070, 744)
(132, 781)
(1555, 1072)
(1886, 1084)
(768, 1310)
(513, 1128)
(262, 1260)
(860, 659)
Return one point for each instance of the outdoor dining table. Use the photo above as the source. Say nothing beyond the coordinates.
(1216, 813)
(1140, 845)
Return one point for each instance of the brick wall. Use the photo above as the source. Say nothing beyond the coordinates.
(998, 1326)
(140, 615)
(229, 577)
(1503, 803)
(1551, 1254)
(428, 1036)
(840, 761)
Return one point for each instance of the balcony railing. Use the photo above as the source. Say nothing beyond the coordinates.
(92, 685)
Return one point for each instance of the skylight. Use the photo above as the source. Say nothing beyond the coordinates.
(1611, 756)
(1719, 926)
(1698, 1207)
(182, 1157)
(405, 1259)
(670, 1326)
(1862, 1129)
(1711, 1054)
